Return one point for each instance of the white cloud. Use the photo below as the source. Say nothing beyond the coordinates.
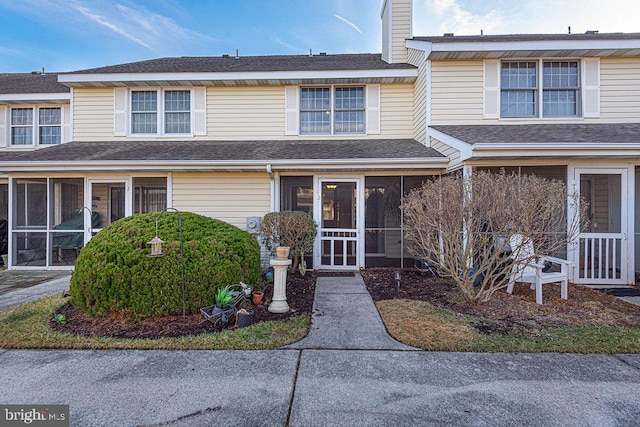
(110, 25)
(434, 17)
(349, 23)
(451, 16)
(123, 18)
(9, 51)
(281, 42)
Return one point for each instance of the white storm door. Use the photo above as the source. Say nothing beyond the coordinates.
(601, 256)
(338, 212)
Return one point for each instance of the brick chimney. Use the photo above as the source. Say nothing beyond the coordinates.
(396, 29)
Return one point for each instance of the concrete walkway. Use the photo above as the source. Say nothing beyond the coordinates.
(344, 317)
(334, 377)
(30, 292)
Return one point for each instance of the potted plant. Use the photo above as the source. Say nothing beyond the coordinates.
(245, 318)
(224, 304)
(282, 252)
(258, 293)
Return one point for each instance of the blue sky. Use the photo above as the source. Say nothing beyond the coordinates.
(65, 35)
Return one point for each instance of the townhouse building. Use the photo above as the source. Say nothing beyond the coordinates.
(342, 137)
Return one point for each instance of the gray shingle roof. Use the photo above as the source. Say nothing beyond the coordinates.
(528, 37)
(190, 64)
(545, 133)
(239, 151)
(31, 83)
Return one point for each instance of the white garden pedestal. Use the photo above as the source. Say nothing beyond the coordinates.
(279, 302)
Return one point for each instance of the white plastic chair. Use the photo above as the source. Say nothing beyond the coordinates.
(528, 269)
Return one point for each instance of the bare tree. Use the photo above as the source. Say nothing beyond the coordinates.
(463, 225)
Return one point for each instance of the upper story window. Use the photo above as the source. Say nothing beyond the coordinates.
(31, 126)
(332, 110)
(560, 88)
(524, 93)
(171, 116)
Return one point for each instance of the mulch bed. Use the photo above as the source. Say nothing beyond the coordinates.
(300, 293)
(514, 314)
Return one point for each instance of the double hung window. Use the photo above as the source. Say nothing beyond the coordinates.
(525, 92)
(31, 126)
(332, 110)
(161, 112)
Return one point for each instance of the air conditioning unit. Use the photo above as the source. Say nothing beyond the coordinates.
(253, 224)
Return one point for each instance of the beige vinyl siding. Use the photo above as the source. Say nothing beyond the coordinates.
(230, 197)
(256, 112)
(600, 204)
(385, 33)
(401, 30)
(392, 246)
(396, 111)
(417, 58)
(397, 31)
(454, 155)
(619, 90)
(92, 114)
(456, 92)
(100, 202)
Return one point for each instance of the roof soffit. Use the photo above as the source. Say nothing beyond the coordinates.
(527, 49)
(240, 79)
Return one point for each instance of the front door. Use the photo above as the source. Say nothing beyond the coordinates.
(601, 256)
(338, 214)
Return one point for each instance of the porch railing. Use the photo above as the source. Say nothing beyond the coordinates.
(600, 258)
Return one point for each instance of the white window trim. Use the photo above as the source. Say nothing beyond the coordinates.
(539, 89)
(160, 111)
(35, 125)
(332, 97)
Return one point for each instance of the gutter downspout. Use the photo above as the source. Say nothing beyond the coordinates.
(272, 187)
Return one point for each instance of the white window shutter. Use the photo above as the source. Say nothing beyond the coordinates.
(4, 126)
(292, 110)
(200, 110)
(66, 124)
(591, 87)
(373, 109)
(491, 89)
(120, 111)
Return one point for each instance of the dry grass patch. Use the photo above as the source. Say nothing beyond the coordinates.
(28, 326)
(425, 326)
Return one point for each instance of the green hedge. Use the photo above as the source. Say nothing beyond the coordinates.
(114, 274)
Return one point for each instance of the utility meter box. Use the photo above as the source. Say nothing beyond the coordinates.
(253, 224)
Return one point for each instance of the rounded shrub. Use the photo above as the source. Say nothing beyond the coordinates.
(114, 273)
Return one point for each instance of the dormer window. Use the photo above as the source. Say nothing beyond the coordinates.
(171, 116)
(523, 91)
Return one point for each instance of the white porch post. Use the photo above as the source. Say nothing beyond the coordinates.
(572, 211)
(467, 173)
(631, 224)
